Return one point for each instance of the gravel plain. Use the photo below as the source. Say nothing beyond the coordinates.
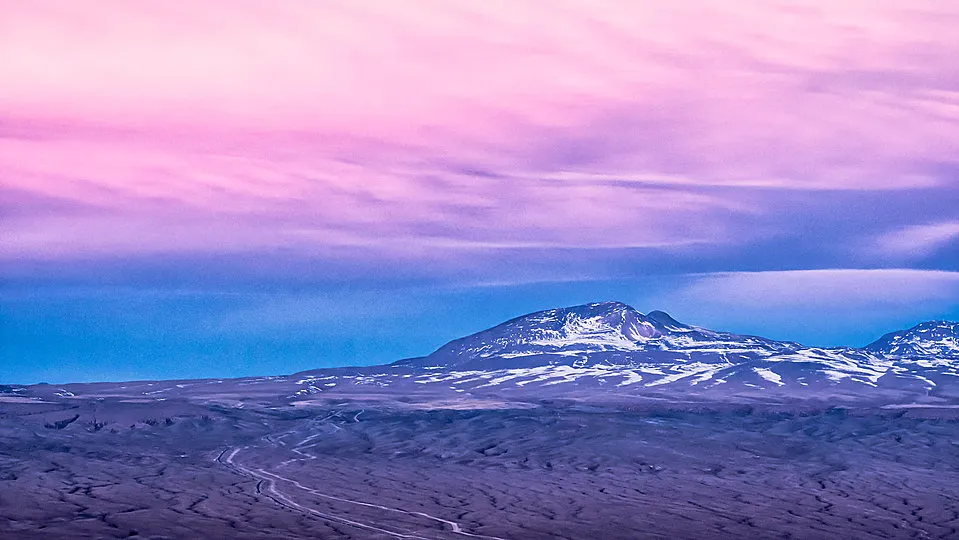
(104, 465)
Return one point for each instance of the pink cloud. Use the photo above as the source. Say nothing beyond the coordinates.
(141, 200)
(460, 123)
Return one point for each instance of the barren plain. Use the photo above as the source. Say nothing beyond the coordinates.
(112, 463)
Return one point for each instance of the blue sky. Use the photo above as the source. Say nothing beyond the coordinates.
(58, 332)
(371, 181)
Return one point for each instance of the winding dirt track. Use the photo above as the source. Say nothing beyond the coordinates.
(271, 481)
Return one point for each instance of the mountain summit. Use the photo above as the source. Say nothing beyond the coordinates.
(603, 332)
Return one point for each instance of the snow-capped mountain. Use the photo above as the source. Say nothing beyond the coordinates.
(612, 343)
(934, 341)
(605, 351)
(598, 333)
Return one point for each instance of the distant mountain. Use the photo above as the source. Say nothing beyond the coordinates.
(611, 342)
(598, 333)
(936, 341)
(604, 351)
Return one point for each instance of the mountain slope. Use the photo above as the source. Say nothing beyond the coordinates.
(606, 352)
(612, 343)
(598, 333)
(934, 341)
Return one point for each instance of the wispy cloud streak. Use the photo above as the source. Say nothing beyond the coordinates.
(231, 126)
(917, 241)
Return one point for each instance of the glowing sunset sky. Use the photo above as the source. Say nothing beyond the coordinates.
(232, 187)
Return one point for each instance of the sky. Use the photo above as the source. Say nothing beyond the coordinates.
(245, 187)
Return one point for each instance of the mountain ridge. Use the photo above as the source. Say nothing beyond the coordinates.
(662, 320)
(613, 339)
(608, 351)
(929, 338)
